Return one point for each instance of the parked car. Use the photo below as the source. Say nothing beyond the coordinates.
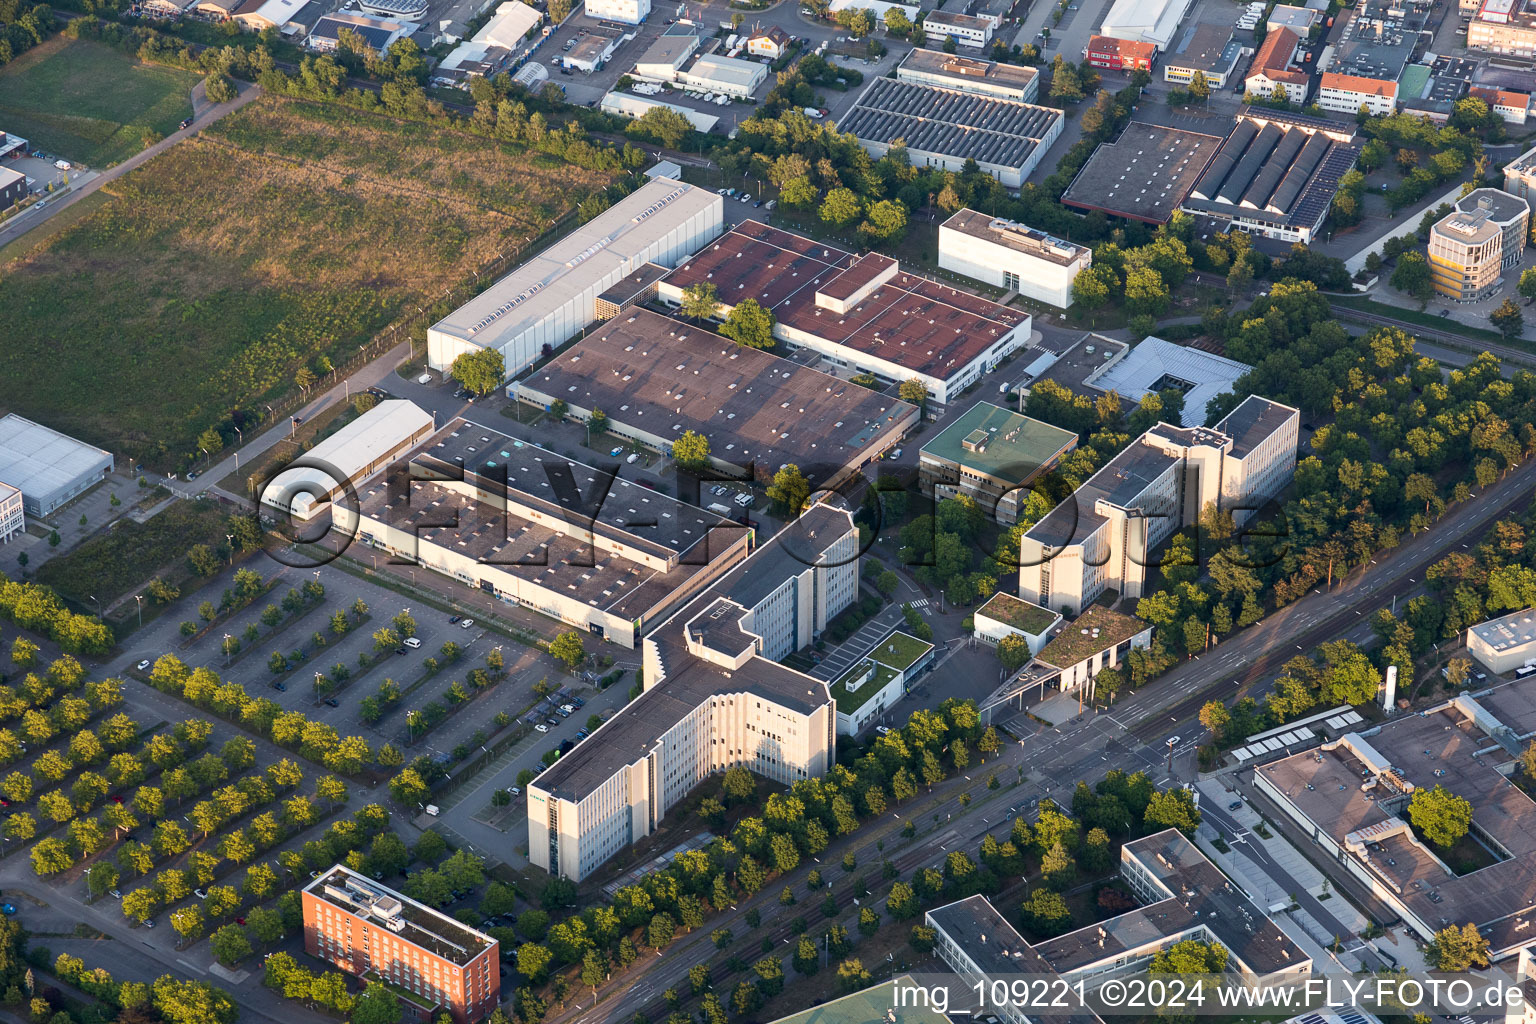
(332, 702)
(411, 642)
(515, 790)
(401, 650)
(616, 453)
(280, 686)
(582, 734)
(568, 708)
(467, 624)
(116, 894)
(150, 923)
(578, 702)
(143, 666)
(634, 457)
(551, 721)
(200, 894)
(186, 122)
(541, 727)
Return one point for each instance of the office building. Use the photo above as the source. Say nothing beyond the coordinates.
(1076, 652)
(656, 378)
(1144, 174)
(1104, 536)
(532, 528)
(1378, 39)
(1004, 615)
(1012, 256)
(625, 12)
(49, 468)
(965, 29)
(13, 519)
(1183, 896)
(732, 76)
(336, 466)
(1505, 27)
(1155, 366)
(664, 58)
(1115, 54)
(378, 33)
(970, 74)
(945, 127)
(1145, 21)
(1520, 177)
(715, 697)
(1511, 105)
(1207, 50)
(1506, 643)
(1271, 70)
(992, 455)
(433, 963)
(859, 313)
(1346, 94)
(13, 187)
(551, 297)
(875, 682)
(1471, 247)
(591, 53)
(1351, 796)
(1276, 174)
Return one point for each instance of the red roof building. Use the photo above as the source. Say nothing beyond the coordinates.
(1120, 54)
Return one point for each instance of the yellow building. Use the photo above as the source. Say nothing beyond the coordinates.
(1470, 248)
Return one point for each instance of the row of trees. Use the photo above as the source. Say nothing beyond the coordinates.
(39, 609)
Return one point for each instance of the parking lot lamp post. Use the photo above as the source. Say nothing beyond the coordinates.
(227, 656)
(138, 599)
(98, 605)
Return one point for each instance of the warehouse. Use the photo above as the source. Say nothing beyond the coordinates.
(591, 53)
(1143, 175)
(629, 12)
(1145, 21)
(970, 74)
(1504, 644)
(627, 104)
(860, 313)
(49, 468)
(376, 32)
(548, 299)
(516, 521)
(347, 458)
(728, 75)
(944, 127)
(1276, 174)
(655, 378)
(664, 58)
(1012, 256)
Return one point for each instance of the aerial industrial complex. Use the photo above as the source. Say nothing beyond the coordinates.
(859, 312)
(655, 379)
(47, 467)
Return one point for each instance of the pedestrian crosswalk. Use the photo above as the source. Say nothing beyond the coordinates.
(921, 602)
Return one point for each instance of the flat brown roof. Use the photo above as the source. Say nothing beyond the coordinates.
(918, 324)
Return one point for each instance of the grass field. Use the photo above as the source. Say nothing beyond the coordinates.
(89, 102)
(216, 271)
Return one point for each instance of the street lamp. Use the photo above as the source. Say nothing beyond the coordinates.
(138, 599)
(98, 604)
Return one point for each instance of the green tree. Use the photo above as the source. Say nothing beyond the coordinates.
(749, 324)
(1013, 652)
(691, 450)
(1455, 950)
(1046, 913)
(1412, 276)
(230, 944)
(567, 649)
(1527, 285)
(376, 1005)
(841, 207)
(1440, 816)
(1508, 319)
(913, 391)
(701, 301)
(480, 371)
(790, 490)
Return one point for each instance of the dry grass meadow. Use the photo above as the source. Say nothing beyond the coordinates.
(287, 231)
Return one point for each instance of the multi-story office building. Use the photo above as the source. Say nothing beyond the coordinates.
(1271, 68)
(1117, 54)
(1520, 176)
(970, 74)
(1012, 256)
(13, 519)
(715, 696)
(1207, 50)
(432, 962)
(1346, 94)
(627, 12)
(1471, 247)
(1183, 896)
(1102, 538)
(1503, 26)
(965, 29)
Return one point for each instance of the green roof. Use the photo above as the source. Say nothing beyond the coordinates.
(1015, 446)
(848, 703)
(900, 650)
(1076, 641)
(1410, 85)
(868, 1007)
(1012, 611)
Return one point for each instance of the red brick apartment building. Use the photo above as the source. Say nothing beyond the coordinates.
(431, 961)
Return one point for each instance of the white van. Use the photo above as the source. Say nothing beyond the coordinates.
(432, 809)
(411, 642)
